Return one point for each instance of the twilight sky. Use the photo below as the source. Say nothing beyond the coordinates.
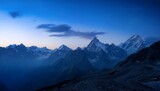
(74, 23)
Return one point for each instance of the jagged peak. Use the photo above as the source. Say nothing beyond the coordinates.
(133, 44)
(136, 37)
(15, 45)
(96, 45)
(95, 40)
(64, 47)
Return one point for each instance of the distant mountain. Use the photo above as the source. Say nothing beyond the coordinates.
(21, 52)
(66, 64)
(96, 56)
(41, 52)
(138, 72)
(16, 52)
(95, 46)
(100, 55)
(136, 43)
(59, 53)
(148, 56)
(12, 46)
(64, 48)
(104, 55)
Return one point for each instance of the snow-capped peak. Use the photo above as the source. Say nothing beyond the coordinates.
(64, 48)
(133, 44)
(95, 40)
(95, 45)
(135, 37)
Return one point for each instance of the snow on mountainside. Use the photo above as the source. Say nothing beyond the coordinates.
(34, 50)
(138, 72)
(16, 52)
(95, 46)
(105, 55)
(69, 64)
(64, 48)
(38, 52)
(41, 52)
(59, 53)
(136, 43)
(100, 55)
(37, 49)
(133, 44)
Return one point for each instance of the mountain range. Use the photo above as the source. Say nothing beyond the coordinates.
(76, 63)
(64, 63)
(114, 52)
(132, 45)
(138, 72)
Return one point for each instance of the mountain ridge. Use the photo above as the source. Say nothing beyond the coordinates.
(136, 43)
(135, 73)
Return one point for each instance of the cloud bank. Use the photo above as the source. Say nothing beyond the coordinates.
(65, 30)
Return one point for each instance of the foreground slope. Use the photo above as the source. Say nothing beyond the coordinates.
(140, 71)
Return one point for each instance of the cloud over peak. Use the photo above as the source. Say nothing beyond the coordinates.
(65, 30)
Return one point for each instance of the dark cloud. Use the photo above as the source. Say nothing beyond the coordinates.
(55, 28)
(67, 31)
(14, 14)
(87, 35)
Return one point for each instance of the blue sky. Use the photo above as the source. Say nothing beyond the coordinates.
(112, 21)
